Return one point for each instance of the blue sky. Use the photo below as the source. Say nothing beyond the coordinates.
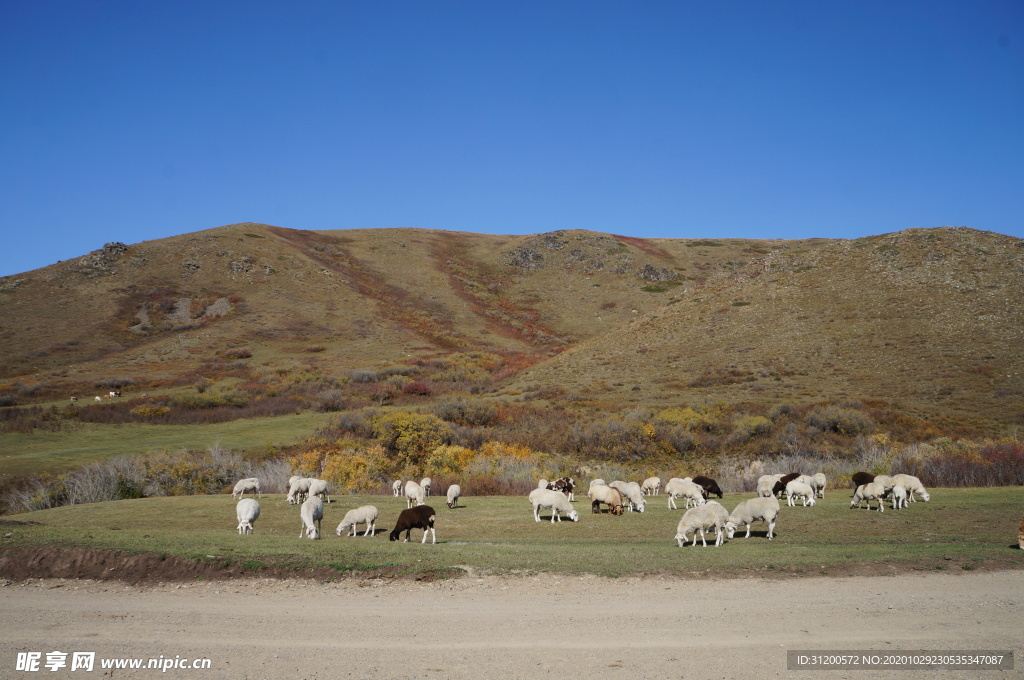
(129, 121)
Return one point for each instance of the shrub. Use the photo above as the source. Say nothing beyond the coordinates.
(417, 388)
(841, 420)
(746, 427)
(237, 353)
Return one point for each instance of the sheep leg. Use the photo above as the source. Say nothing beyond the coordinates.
(433, 536)
(369, 528)
(536, 513)
(771, 529)
(672, 502)
(748, 531)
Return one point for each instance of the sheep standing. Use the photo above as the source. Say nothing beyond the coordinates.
(311, 513)
(595, 482)
(651, 486)
(298, 489)
(454, 493)
(564, 484)
(899, 497)
(556, 500)
(680, 488)
(762, 509)
(861, 478)
(542, 484)
(245, 485)
(419, 517)
(869, 492)
(396, 488)
(700, 519)
(780, 486)
(425, 484)
(819, 484)
(913, 485)
(635, 497)
(247, 511)
(709, 485)
(765, 484)
(599, 493)
(797, 489)
(413, 494)
(318, 487)
(366, 514)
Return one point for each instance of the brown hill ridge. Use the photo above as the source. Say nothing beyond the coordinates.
(931, 319)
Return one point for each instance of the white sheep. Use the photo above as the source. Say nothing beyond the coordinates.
(819, 484)
(319, 487)
(425, 485)
(899, 497)
(631, 492)
(246, 485)
(886, 481)
(680, 488)
(247, 511)
(651, 486)
(542, 484)
(797, 489)
(311, 513)
(766, 485)
(556, 500)
(454, 493)
(869, 492)
(722, 512)
(700, 519)
(366, 514)
(913, 485)
(612, 497)
(596, 482)
(413, 494)
(763, 509)
(396, 487)
(298, 489)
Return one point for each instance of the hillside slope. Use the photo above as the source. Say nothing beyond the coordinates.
(932, 320)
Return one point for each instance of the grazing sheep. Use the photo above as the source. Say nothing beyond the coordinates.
(680, 488)
(913, 485)
(651, 486)
(425, 484)
(74, 399)
(899, 497)
(699, 519)
(318, 487)
(556, 500)
(753, 510)
(298, 489)
(861, 478)
(709, 485)
(247, 484)
(765, 484)
(366, 514)
(247, 511)
(819, 484)
(99, 399)
(454, 493)
(869, 492)
(311, 513)
(564, 484)
(720, 509)
(542, 484)
(599, 493)
(780, 486)
(419, 517)
(396, 487)
(797, 489)
(886, 481)
(634, 496)
(413, 494)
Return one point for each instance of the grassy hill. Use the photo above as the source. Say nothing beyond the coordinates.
(925, 324)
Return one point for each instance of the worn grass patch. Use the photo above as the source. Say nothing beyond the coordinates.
(960, 529)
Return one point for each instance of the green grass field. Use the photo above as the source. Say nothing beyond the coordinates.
(84, 443)
(960, 529)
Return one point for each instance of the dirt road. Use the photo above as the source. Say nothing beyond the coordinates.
(508, 627)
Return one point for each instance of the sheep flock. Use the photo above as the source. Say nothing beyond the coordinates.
(701, 515)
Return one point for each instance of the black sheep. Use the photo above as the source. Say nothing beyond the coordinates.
(860, 478)
(418, 517)
(780, 486)
(709, 485)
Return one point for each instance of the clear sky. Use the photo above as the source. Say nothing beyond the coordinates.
(134, 120)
